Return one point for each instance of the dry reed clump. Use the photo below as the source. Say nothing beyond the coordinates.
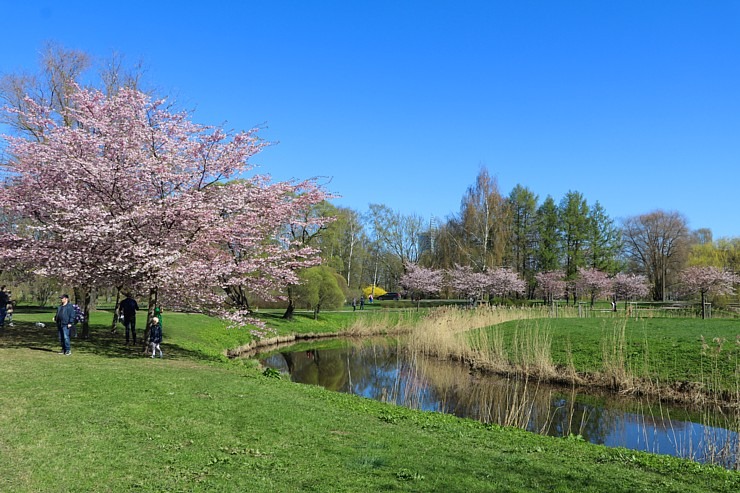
(439, 334)
(383, 323)
(450, 333)
(614, 359)
(533, 343)
(569, 372)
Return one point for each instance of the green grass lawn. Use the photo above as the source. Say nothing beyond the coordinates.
(107, 419)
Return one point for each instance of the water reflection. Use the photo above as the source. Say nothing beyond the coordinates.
(383, 371)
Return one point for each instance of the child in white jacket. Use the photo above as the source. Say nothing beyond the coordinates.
(155, 336)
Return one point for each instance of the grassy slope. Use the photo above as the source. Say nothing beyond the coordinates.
(107, 419)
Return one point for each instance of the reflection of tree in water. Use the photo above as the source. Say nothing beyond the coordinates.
(318, 367)
(375, 370)
(593, 423)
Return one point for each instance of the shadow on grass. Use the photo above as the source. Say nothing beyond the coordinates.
(27, 335)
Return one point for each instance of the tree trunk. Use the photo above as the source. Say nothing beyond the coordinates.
(237, 296)
(115, 309)
(288, 315)
(82, 299)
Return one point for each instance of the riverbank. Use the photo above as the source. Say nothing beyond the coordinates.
(682, 360)
(108, 419)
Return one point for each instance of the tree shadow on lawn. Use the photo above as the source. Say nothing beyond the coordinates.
(27, 335)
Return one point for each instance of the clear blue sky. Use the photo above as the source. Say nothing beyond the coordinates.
(635, 104)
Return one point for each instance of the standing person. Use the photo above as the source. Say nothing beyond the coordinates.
(65, 318)
(155, 336)
(79, 318)
(10, 308)
(128, 307)
(354, 304)
(4, 299)
(362, 303)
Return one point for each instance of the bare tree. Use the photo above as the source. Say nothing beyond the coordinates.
(60, 71)
(484, 221)
(396, 233)
(658, 243)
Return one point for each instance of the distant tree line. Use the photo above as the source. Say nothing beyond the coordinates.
(527, 236)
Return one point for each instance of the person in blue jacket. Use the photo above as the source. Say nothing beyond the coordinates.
(65, 319)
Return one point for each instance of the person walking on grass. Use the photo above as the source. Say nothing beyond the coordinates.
(155, 336)
(128, 308)
(65, 318)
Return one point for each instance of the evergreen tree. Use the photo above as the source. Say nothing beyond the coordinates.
(523, 209)
(575, 224)
(604, 241)
(547, 247)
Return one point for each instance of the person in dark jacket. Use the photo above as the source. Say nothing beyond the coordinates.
(4, 300)
(128, 308)
(155, 336)
(65, 318)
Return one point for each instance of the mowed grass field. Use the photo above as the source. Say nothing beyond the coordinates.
(108, 419)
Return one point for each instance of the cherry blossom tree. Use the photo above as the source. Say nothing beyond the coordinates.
(629, 287)
(503, 281)
(421, 281)
(593, 283)
(134, 194)
(466, 282)
(706, 280)
(551, 285)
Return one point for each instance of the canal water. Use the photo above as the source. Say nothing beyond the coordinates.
(380, 369)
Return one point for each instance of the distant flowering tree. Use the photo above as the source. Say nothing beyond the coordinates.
(121, 191)
(503, 281)
(593, 283)
(706, 280)
(551, 285)
(420, 281)
(466, 282)
(629, 287)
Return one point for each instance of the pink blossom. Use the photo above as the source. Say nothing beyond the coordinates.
(134, 195)
(464, 281)
(551, 285)
(593, 283)
(421, 280)
(503, 281)
(630, 286)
